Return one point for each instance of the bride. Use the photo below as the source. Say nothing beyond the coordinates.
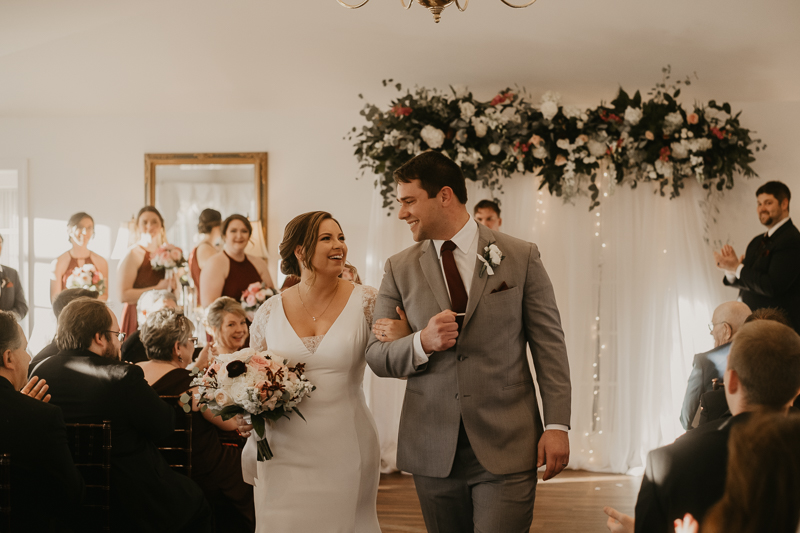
(325, 471)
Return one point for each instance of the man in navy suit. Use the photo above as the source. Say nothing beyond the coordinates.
(768, 275)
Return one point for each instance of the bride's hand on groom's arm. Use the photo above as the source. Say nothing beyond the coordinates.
(388, 330)
(441, 332)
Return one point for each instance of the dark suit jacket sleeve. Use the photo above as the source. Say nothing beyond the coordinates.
(545, 337)
(20, 305)
(144, 410)
(784, 269)
(651, 517)
(57, 457)
(391, 359)
(694, 389)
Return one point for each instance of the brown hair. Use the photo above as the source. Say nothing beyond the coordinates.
(67, 295)
(240, 218)
(80, 321)
(434, 172)
(151, 209)
(162, 330)
(10, 338)
(766, 357)
(486, 204)
(302, 231)
(762, 486)
(777, 189)
(769, 313)
(220, 306)
(75, 219)
(208, 220)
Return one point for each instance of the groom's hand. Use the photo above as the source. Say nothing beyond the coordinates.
(554, 452)
(440, 333)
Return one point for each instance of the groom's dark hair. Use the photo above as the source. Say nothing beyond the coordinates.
(434, 172)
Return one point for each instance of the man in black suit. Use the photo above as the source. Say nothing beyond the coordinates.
(33, 432)
(90, 384)
(688, 476)
(12, 296)
(726, 320)
(768, 275)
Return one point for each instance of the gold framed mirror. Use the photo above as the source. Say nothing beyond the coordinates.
(182, 185)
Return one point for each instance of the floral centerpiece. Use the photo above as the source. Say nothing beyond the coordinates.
(632, 140)
(258, 384)
(167, 257)
(87, 277)
(254, 297)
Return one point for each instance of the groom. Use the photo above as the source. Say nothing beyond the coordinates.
(470, 423)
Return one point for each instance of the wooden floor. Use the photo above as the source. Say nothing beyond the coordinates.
(572, 502)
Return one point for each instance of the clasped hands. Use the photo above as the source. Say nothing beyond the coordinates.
(726, 259)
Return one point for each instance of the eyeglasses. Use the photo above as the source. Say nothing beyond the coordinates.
(712, 325)
(120, 335)
(193, 341)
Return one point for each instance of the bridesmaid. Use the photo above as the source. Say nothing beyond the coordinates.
(136, 276)
(208, 226)
(80, 228)
(230, 272)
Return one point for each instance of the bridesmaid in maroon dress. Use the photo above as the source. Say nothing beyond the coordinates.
(208, 226)
(136, 276)
(80, 228)
(230, 272)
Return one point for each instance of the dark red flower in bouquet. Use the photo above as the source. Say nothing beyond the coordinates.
(400, 111)
(717, 133)
(664, 154)
(236, 368)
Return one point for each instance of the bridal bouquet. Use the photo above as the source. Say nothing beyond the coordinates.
(166, 257)
(87, 277)
(258, 384)
(254, 297)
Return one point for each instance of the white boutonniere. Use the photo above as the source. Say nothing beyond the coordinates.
(491, 258)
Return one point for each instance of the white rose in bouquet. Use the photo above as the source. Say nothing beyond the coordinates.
(633, 115)
(664, 168)
(540, 152)
(433, 137)
(672, 122)
(715, 116)
(494, 148)
(679, 150)
(597, 149)
(563, 144)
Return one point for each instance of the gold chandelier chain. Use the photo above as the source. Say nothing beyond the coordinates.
(354, 6)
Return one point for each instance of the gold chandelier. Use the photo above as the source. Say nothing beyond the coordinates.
(435, 6)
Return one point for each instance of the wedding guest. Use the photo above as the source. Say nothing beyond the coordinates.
(168, 340)
(688, 476)
(12, 296)
(768, 275)
(90, 384)
(487, 212)
(227, 321)
(725, 322)
(61, 301)
(149, 302)
(80, 229)
(33, 432)
(230, 273)
(289, 282)
(350, 273)
(136, 275)
(208, 226)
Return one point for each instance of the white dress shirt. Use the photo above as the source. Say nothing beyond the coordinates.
(465, 255)
(733, 276)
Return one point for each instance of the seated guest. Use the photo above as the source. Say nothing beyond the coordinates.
(33, 432)
(688, 476)
(149, 302)
(12, 295)
(725, 322)
(487, 212)
(64, 297)
(90, 384)
(227, 321)
(167, 337)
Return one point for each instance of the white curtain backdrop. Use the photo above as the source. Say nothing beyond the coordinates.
(635, 285)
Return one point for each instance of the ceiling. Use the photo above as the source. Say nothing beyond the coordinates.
(94, 57)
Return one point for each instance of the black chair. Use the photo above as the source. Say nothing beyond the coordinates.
(90, 445)
(5, 492)
(177, 448)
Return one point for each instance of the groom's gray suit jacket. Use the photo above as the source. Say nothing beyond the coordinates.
(485, 378)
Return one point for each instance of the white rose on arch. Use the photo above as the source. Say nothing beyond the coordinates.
(467, 110)
(480, 128)
(433, 137)
(494, 148)
(633, 115)
(549, 109)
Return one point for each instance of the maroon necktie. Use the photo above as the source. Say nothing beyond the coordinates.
(458, 294)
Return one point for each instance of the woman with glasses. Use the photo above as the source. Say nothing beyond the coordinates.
(168, 341)
(80, 229)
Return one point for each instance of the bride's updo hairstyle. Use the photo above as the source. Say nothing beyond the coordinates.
(302, 231)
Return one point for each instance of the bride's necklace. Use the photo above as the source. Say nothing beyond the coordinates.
(314, 318)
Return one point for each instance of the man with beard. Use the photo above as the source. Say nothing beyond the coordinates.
(768, 275)
(90, 384)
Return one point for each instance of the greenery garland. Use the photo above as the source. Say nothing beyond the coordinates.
(654, 140)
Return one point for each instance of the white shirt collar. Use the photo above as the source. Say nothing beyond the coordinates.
(774, 228)
(463, 239)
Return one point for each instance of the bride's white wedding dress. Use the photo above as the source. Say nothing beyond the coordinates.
(325, 471)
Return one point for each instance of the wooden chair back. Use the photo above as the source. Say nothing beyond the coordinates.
(90, 445)
(177, 449)
(5, 492)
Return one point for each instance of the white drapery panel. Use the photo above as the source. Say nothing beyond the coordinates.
(634, 311)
